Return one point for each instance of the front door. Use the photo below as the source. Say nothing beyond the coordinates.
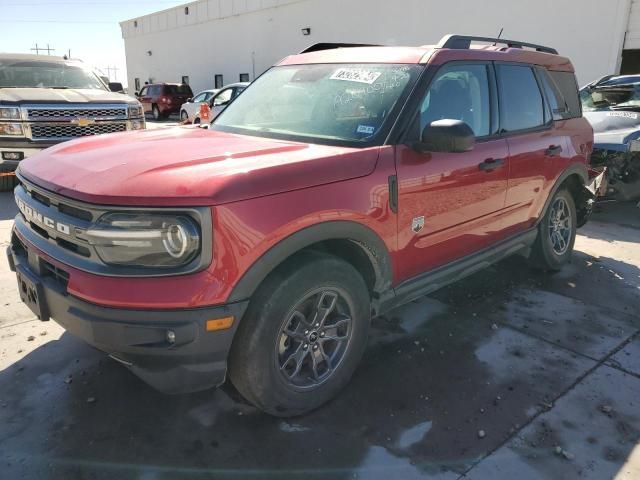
(450, 204)
(145, 99)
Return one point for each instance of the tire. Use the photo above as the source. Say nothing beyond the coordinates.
(260, 363)
(196, 121)
(155, 111)
(7, 182)
(184, 116)
(553, 247)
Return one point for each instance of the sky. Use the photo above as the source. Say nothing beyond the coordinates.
(89, 28)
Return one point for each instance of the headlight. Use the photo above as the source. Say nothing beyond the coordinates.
(12, 129)
(135, 110)
(145, 240)
(9, 113)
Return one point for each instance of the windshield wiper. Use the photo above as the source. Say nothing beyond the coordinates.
(632, 108)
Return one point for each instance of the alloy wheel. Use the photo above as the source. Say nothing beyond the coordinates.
(560, 226)
(314, 338)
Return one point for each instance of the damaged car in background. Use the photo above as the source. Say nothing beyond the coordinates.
(612, 106)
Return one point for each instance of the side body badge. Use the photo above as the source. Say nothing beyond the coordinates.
(417, 224)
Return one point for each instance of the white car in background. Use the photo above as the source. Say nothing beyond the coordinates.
(191, 109)
(224, 97)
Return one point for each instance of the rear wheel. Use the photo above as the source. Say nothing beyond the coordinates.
(303, 335)
(556, 233)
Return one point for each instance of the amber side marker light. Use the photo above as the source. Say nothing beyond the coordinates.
(219, 324)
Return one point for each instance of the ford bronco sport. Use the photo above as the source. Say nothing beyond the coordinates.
(46, 100)
(341, 183)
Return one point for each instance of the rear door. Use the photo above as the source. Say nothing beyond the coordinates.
(450, 204)
(145, 99)
(538, 148)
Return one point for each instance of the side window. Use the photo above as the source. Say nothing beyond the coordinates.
(559, 109)
(207, 97)
(459, 92)
(199, 98)
(521, 103)
(237, 91)
(568, 86)
(223, 97)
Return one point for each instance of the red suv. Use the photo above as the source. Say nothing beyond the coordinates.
(163, 99)
(342, 183)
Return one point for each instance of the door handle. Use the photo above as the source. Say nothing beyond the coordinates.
(553, 151)
(491, 164)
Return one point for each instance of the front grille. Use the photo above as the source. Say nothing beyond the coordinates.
(59, 114)
(60, 276)
(64, 130)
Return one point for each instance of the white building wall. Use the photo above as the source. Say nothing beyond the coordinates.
(230, 37)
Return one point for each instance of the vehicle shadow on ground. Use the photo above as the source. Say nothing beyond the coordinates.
(8, 208)
(436, 373)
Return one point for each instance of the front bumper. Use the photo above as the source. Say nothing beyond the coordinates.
(138, 339)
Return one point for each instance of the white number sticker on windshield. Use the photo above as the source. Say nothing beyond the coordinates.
(359, 75)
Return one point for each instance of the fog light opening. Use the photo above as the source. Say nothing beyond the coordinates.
(12, 155)
(171, 337)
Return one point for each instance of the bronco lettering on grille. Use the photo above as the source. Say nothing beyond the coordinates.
(34, 216)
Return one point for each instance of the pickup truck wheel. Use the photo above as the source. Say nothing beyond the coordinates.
(303, 335)
(556, 233)
(155, 111)
(7, 182)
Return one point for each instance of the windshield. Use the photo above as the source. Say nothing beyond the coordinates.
(611, 97)
(343, 103)
(178, 90)
(29, 74)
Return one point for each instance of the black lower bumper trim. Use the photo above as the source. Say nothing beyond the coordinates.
(187, 360)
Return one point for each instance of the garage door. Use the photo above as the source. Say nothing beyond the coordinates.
(632, 41)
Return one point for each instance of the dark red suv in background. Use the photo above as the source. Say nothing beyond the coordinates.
(342, 183)
(163, 99)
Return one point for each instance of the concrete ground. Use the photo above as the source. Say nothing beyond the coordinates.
(508, 374)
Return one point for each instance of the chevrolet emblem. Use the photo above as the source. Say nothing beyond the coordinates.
(83, 121)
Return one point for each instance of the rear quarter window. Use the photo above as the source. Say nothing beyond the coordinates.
(568, 86)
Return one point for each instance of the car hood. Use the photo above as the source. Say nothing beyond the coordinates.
(188, 166)
(614, 130)
(61, 95)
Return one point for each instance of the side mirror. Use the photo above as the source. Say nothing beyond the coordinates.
(116, 87)
(189, 100)
(451, 136)
(137, 94)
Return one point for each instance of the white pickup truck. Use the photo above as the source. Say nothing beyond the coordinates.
(46, 100)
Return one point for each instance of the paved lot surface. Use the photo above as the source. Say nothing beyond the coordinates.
(547, 367)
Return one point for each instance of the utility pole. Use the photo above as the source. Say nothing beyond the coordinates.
(48, 49)
(114, 69)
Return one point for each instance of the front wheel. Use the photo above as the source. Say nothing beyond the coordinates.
(155, 111)
(556, 233)
(303, 335)
(184, 116)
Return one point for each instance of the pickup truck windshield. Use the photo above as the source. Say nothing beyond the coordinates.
(29, 74)
(611, 97)
(341, 103)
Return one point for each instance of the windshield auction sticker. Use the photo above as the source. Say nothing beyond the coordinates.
(359, 75)
(623, 114)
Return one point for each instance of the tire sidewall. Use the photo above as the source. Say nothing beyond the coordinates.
(270, 391)
(155, 112)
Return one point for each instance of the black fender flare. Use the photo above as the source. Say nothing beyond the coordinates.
(363, 236)
(578, 169)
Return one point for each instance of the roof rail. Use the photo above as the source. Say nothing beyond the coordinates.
(316, 47)
(463, 42)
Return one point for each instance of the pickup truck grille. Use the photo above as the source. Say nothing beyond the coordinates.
(66, 113)
(58, 131)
